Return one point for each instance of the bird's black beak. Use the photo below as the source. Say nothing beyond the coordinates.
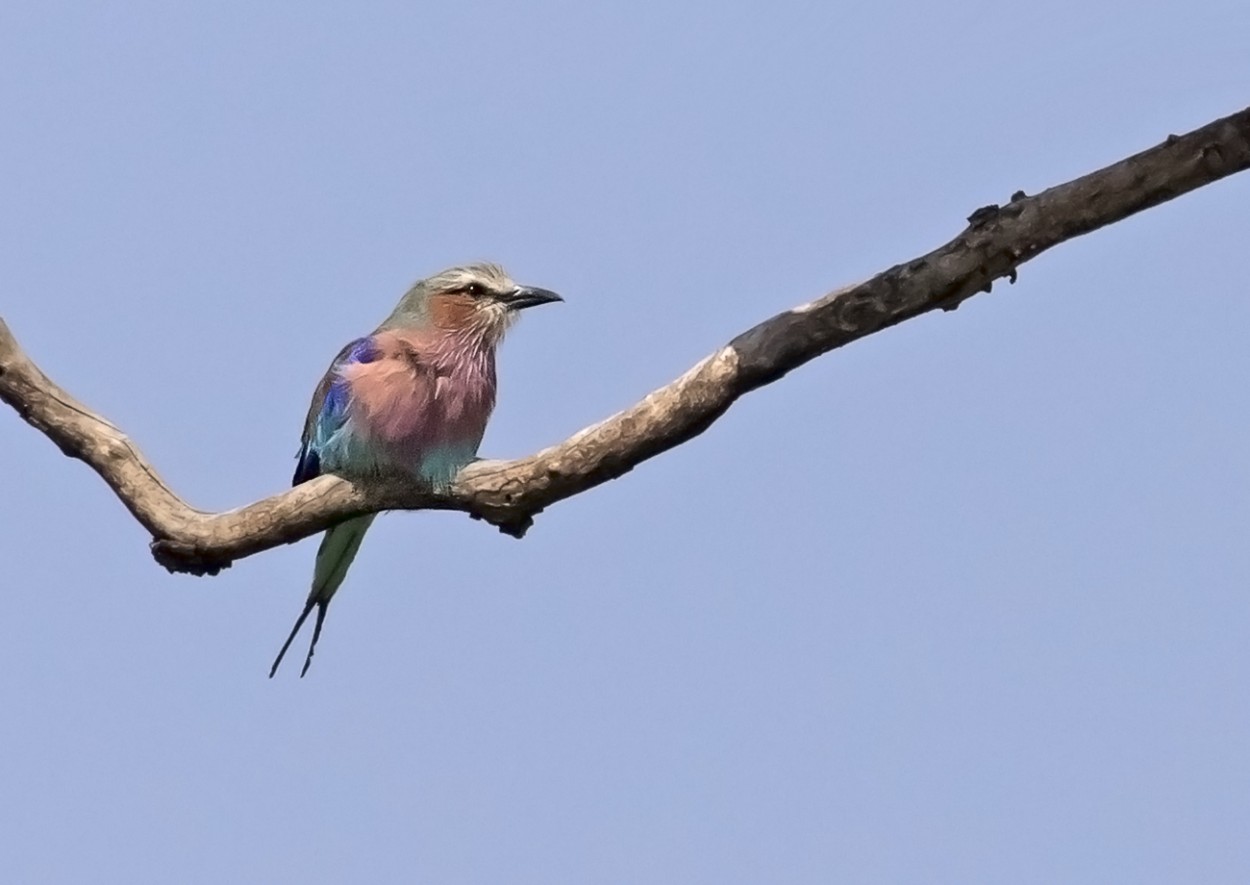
(528, 296)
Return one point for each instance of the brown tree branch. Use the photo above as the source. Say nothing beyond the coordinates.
(509, 494)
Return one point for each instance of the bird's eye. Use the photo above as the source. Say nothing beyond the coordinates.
(477, 290)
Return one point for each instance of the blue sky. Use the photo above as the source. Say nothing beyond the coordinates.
(968, 601)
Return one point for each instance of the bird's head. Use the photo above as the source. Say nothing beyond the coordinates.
(473, 299)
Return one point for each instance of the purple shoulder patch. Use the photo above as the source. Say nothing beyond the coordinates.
(362, 350)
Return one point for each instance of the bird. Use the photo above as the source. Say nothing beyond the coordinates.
(414, 396)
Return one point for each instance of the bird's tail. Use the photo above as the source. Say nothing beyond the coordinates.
(334, 556)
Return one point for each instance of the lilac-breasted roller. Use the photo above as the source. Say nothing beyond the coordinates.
(414, 396)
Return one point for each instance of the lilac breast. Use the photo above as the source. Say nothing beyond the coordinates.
(422, 407)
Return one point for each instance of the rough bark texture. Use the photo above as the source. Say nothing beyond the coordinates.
(509, 494)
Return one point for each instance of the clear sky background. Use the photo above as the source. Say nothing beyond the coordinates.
(968, 601)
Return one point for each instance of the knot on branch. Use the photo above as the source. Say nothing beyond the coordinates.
(984, 215)
(512, 523)
(177, 556)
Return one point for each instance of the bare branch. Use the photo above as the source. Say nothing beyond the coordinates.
(509, 494)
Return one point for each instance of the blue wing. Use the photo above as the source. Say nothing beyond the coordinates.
(329, 408)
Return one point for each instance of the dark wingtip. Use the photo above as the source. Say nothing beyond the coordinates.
(309, 467)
